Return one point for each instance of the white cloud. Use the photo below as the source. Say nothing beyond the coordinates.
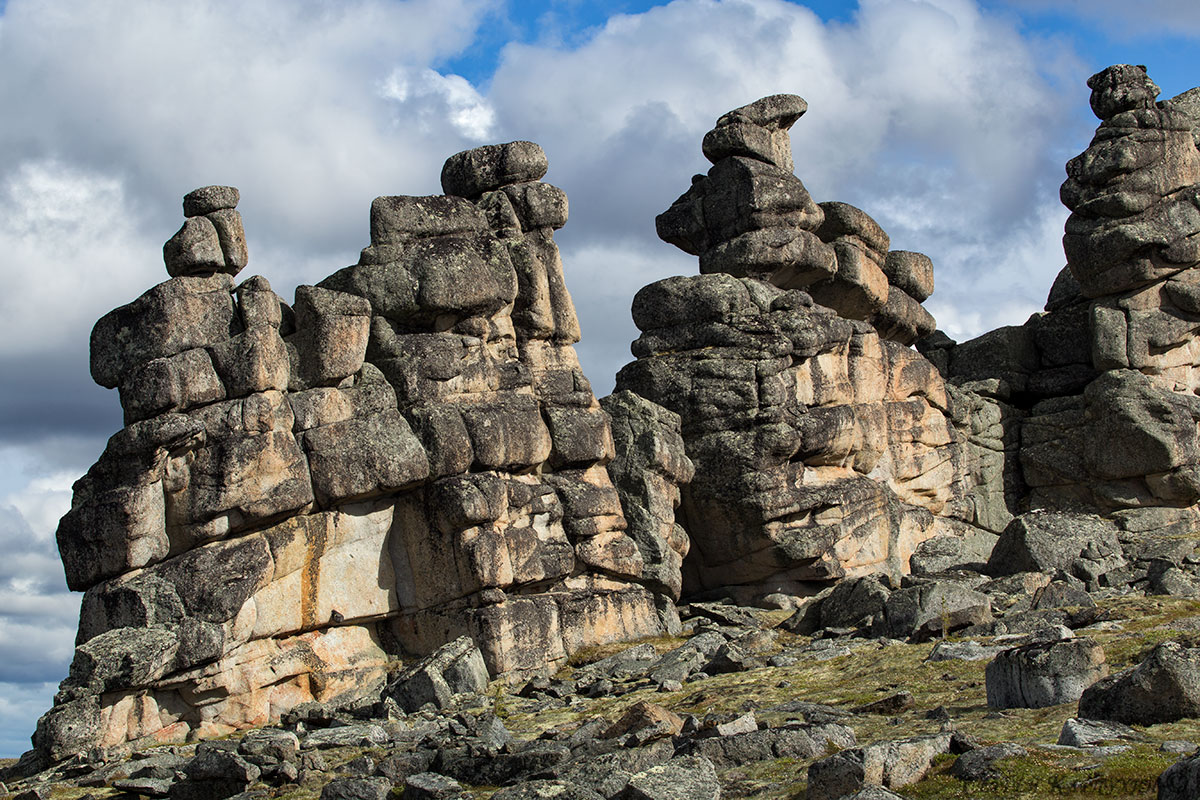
(1014, 279)
(437, 99)
(71, 252)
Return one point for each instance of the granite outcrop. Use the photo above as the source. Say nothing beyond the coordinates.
(304, 492)
(407, 464)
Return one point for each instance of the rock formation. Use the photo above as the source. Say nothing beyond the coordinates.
(407, 453)
(823, 445)
(1100, 390)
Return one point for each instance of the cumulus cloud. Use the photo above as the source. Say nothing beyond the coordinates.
(39, 615)
(437, 101)
(72, 231)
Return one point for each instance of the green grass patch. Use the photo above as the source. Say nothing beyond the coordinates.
(1129, 776)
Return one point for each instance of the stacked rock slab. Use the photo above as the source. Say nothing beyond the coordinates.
(473, 327)
(822, 444)
(1100, 389)
(407, 454)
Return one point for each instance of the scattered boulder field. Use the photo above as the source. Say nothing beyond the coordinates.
(385, 541)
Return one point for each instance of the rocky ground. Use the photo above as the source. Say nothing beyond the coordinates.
(869, 690)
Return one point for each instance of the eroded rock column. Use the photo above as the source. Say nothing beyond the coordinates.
(822, 444)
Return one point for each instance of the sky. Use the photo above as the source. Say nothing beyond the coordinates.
(948, 121)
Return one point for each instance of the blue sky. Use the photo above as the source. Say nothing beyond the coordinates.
(947, 120)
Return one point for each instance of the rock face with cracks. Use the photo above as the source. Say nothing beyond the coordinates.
(823, 445)
(406, 454)
(407, 460)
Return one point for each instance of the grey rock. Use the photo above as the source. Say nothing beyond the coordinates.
(175, 383)
(399, 766)
(178, 315)
(215, 773)
(454, 668)
(1088, 732)
(1142, 429)
(251, 362)
(934, 608)
(538, 205)
(632, 662)
(969, 650)
(649, 467)
(890, 705)
(902, 319)
(356, 789)
(194, 250)
(68, 728)
(547, 790)
(269, 743)
(680, 663)
(431, 786)
(358, 458)
(873, 793)
(798, 741)
(1044, 673)
(332, 334)
(1173, 581)
(738, 195)
(757, 130)
(503, 768)
(910, 272)
(1082, 545)
(472, 172)
(146, 787)
(1181, 780)
(855, 601)
(952, 552)
(208, 199)
(399, 219)
(977, 765)
(609, 773)
(681, 778)
(1007, 354)
(232, 237)
(1165, 687)
(888, 764)
(366, 734)
(843, 219)
(123, 658)
(1061, 594)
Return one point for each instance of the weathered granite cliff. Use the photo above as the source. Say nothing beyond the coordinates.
(1100, 389)
(409, 455)
(823, 445)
